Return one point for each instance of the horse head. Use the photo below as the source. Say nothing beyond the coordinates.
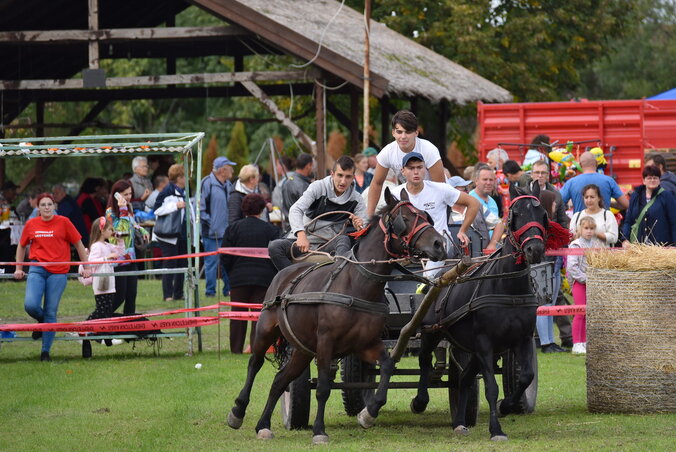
(409, 231)
(527, 223)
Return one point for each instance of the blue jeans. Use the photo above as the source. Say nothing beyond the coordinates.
(41, 283)
(211, 264)
(545, 324)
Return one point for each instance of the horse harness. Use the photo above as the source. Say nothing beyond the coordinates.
(393, 229)
(314, 298)
(491, 300)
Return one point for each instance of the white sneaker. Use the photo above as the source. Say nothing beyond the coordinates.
(117, 341)
(579, 349)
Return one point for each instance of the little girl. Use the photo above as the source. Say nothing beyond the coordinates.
(576, 272)
(104, 286)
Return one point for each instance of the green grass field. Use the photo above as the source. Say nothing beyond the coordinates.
(141, 398)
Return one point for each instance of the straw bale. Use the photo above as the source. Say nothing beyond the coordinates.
(631, 340)
(636, 257)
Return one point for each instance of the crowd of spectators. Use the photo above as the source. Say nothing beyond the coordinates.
(244, 211)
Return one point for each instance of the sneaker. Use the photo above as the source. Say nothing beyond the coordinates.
(580, 348)
(44, 356)
(552, 348)
(567, 343)
(117, 342)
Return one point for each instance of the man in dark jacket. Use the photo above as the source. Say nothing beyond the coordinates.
(67, 207)
(296, 183)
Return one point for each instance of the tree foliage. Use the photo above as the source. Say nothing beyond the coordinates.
(238, 146)
(534, 48)
(639, 65)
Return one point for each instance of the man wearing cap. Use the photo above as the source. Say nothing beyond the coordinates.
(333, 193)
(435, 198)
(405, 133)
(371, 154)
(216, 188)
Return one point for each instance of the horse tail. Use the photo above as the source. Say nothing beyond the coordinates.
(282, 353)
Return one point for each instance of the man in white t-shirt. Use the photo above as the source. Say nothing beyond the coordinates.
(435, 198)
(405, 133)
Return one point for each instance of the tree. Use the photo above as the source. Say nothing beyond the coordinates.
(209, 156)
(639, 65)
(533, 48)
(238, 148)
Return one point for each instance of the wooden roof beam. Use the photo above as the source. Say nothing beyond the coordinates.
(156, 80)
(113, 35)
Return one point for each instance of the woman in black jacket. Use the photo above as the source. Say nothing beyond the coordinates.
(249, 276)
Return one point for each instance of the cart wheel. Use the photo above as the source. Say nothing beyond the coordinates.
(510, 380)
(295, 402)
(354, 370)
(472, 409)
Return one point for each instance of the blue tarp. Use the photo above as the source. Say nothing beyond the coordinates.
(667, 95)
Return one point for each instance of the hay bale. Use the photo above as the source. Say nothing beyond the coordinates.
(631, 340)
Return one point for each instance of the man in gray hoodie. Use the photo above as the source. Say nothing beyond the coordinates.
(333, 193)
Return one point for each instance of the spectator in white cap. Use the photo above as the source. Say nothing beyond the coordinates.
(215, 194)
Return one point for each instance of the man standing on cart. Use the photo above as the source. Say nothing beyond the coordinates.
(435, 198)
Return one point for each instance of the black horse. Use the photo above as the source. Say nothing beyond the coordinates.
(330, 311)
(493, 311)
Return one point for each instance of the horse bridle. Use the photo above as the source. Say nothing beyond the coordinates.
(515, 236)
(395, 227)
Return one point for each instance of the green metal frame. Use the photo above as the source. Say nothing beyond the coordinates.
(135, 144)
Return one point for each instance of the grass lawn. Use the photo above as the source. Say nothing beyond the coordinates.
(141, 398)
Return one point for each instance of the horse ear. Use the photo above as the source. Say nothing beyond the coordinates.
(513, 191)
(535, 189)
(404, 195)
(389, 197)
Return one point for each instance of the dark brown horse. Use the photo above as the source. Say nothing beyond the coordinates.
(330, 311)
(495, 310)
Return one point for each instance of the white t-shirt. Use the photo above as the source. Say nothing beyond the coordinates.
(605, 222)
(434, 198)
(391, 155)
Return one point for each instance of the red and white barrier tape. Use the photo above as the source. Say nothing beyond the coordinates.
(114, 327)
(562, 310)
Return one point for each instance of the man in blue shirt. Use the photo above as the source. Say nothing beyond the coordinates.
(572, 189)
(215, 190)
(485, 185)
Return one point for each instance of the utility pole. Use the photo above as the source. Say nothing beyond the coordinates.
(367, 80)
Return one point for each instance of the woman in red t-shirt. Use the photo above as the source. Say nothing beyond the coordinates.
(49, 236)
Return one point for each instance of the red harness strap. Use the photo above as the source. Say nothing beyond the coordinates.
(411, 236)
(516, 235)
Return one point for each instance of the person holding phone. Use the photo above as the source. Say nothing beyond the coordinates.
(121, 217)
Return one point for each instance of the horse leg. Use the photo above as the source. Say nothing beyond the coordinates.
(324, 376)
(267, 332)
(296, 365)
(524, 356)
(464, 383)
(367, 416)
(428, 343)
(485, 355)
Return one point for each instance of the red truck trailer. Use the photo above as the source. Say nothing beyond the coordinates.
(625, 129)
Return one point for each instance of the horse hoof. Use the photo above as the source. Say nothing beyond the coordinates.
(461, 430)
(365, 419)
(234, 421)
(499, 438)
(416, 410)
(264, 433)
(320, 439)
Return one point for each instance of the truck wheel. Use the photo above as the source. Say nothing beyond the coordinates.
(472, 409)
(354, 370)
(510, 380)
(295, 402)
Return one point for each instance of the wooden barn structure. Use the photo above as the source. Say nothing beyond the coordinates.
(50, 52)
